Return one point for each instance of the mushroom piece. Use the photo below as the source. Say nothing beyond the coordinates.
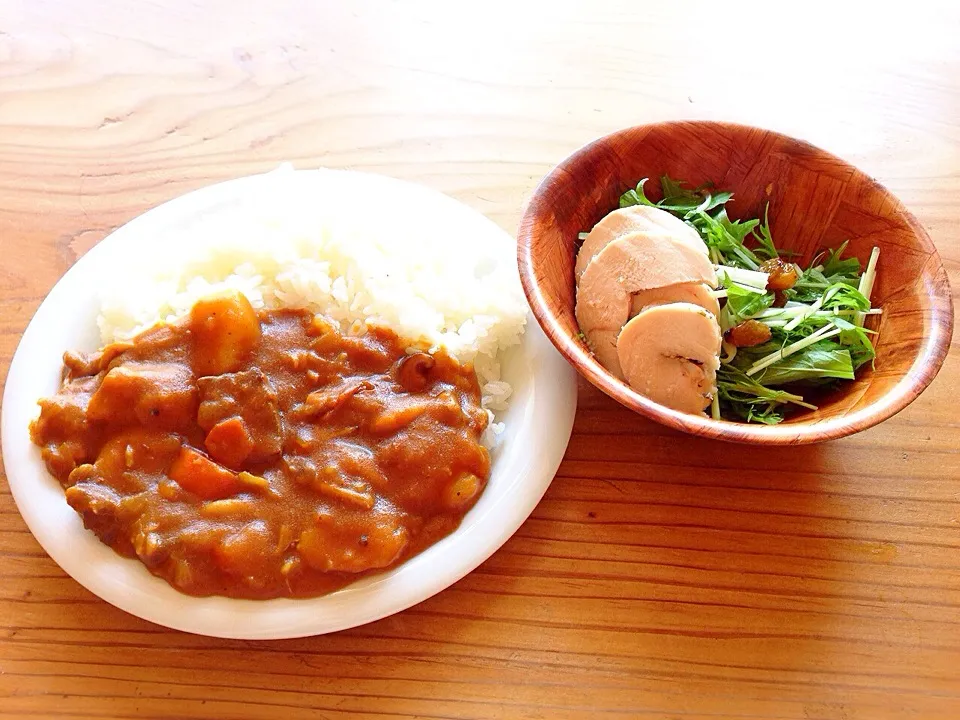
(670, 354)
(696, 293)
(635, 262)
(633, 219)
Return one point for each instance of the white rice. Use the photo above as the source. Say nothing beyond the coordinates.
(289, 251)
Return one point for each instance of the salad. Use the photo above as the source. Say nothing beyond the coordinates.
(787, 331)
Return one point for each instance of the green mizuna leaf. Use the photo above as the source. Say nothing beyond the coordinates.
(745, 398)
(765, 247)
(822, 360)
(727, 238)
(856, 340)
(636, 196)
(840, 295)
(744, 304)
(837, 268)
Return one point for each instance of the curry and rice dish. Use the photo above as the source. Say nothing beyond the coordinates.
(287, 396)
(265, 453)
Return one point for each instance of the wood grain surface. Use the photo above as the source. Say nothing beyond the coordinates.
(662, 575)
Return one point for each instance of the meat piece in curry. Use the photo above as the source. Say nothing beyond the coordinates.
(265, 454)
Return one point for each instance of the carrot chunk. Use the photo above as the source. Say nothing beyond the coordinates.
(229, 442)
(203, 477)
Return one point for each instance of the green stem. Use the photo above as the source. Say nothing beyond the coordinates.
(867, 279)
(789, 350)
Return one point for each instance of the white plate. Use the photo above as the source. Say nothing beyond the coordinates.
(538, 426)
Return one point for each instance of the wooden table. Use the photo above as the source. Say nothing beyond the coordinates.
(662, 576)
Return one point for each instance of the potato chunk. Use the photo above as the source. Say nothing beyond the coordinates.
(225, 331)
(355, 543)
(154, 394)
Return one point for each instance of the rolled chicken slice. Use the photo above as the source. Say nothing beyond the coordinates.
(633, 219)
(635, 262)
(696, 293)
(670, 354)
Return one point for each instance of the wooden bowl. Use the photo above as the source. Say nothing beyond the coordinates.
(816, 201)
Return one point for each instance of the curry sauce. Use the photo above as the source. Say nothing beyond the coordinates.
(265, 454)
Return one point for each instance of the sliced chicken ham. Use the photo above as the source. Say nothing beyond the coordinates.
(633, 219)
(670, 354)
(635, 262)
(696, 293)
